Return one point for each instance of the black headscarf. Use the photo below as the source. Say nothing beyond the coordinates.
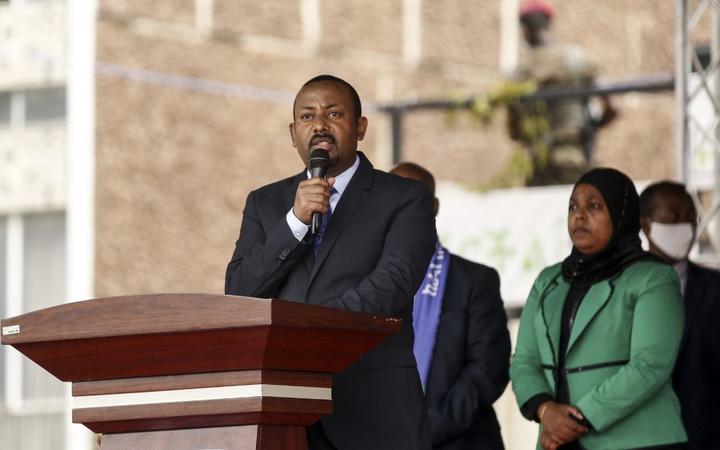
(624, 247)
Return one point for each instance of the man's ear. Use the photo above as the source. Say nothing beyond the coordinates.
(362, 124)
(292, 132)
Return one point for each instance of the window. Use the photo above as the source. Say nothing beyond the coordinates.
(3, 314)
(29, 107)
(5, 108)
(43, 105)
(43, 286)
(32, 277)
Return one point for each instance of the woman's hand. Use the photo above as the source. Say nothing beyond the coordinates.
(559, 421)
(548, 442)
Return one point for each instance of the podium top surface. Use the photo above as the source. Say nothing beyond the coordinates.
(173, 334)
(171, 313)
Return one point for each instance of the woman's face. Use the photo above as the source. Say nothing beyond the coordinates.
(589, 223)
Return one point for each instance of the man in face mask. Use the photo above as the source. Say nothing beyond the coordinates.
(669, 221)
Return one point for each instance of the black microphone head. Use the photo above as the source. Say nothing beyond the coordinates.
(319, 158)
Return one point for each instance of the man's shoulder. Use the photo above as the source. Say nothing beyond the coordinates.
(474, 283)
(473, 273)
(399, 185)
(709, 275)
(470, 266)
(380, 176)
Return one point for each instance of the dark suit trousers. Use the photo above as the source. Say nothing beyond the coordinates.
(317, 439)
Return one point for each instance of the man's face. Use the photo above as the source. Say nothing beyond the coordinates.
(324, 118)
(534, 26)
(669, 209)
(531, 35)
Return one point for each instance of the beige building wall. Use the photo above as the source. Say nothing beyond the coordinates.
(626, 39)
(175, 163)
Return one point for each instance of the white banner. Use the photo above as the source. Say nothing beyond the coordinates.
(516, 231)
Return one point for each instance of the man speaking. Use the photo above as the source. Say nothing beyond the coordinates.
(369, 253)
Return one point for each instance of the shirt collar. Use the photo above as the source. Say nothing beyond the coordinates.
(342, 180)
(681, 268)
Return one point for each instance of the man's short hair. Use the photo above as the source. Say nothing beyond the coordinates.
(332, 78)
(419, 171)
(650, 193)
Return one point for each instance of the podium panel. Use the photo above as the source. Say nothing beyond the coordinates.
(197, 371)
(250, 437)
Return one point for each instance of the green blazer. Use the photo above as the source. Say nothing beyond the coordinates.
(620, 354)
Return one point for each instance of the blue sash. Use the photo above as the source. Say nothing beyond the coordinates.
(426, 310)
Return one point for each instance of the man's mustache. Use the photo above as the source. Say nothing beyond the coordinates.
(318, 137)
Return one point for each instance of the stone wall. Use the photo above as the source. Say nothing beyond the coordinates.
(32, 169)
(29, 58)
(181, 144)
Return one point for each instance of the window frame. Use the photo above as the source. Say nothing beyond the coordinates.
(19, 108)
(15, 403)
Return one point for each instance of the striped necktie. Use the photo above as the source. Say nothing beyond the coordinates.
(323, 225)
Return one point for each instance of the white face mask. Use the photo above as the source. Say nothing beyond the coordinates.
(674, 239)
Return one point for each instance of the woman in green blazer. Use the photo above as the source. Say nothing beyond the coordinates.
(600, 332)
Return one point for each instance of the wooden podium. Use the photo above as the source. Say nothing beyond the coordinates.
(197, 371)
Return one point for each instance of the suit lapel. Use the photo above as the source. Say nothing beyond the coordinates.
(292, 187)
(551, 306)
(595, 298)
(350, 201)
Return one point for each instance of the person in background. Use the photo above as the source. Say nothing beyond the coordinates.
(669, 221)
(600, 331)
(462, 344)
(558, 133)
(369, 254)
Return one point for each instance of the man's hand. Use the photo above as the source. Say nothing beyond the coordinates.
(559, 421)
(313, 195)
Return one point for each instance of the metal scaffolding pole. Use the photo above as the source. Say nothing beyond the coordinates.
(698, 132)
(657, 82)
(682, 67)
(712, 221)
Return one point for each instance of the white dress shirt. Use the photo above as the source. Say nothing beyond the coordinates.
(681, 268)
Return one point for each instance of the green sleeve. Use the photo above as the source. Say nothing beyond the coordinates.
(526, 372)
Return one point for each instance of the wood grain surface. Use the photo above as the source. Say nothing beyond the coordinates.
(202, 380)
(250, 437)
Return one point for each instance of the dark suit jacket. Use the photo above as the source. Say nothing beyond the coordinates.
(696, 378)
(374, 254)
(469, 370)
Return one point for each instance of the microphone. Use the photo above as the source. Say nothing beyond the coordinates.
(319, 162)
